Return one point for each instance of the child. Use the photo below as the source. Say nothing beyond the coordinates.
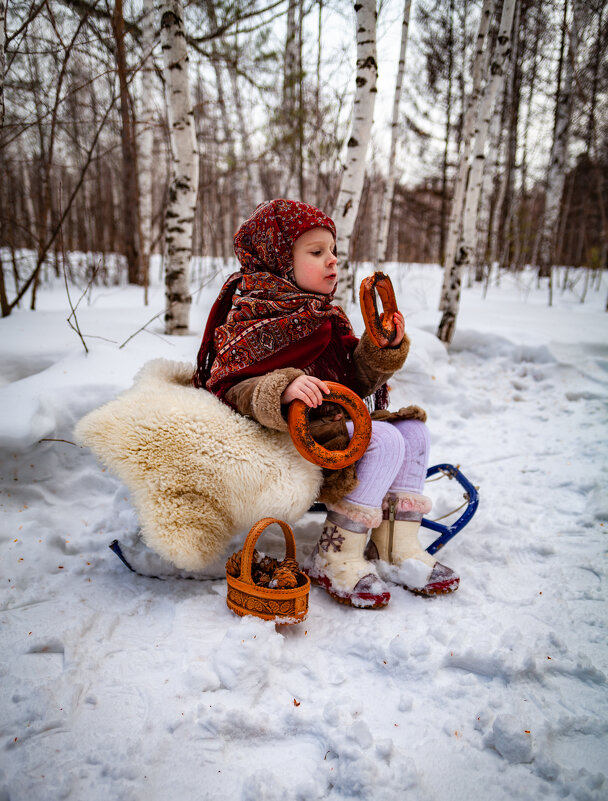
(272, 336)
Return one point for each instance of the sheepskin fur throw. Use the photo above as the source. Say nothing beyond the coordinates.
(198, 472)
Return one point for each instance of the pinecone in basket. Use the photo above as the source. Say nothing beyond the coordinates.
(233, 565)
(284, 579)
(268, 565)
(266, 571)
(262, 570)
(261, 579)
(290, 564)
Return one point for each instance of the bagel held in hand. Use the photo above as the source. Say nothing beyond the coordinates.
(310, 449)
(382, 330)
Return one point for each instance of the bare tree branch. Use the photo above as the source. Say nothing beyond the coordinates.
(45, 249)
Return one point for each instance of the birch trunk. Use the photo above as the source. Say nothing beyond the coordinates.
(4, 304)
(511, 218)
(236, 197)
(466, 244)
(387, 196)
(130, 188)
(245, 141)
(455, 221)
(448, 132)
(245, 147)
(508, 225)
(559, 151)
(300, 113)
(228, 137)
(523, 203)
(146, 142)
(503, 216)
(592, 138)
(347, 204)
(2, 58)
(290, 79)
(181, 205)
(316, 147)
(491, 201)
(5, 308)
(597, 63)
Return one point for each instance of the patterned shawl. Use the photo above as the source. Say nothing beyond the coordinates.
(261, 320)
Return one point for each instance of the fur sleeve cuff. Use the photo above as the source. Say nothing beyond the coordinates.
(266, 400)
(388, 360)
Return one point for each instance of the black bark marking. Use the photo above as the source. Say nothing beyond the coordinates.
(168, 19)
(368, 64)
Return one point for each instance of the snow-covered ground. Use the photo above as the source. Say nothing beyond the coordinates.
(116, 686)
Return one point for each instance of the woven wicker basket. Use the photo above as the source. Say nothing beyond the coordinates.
(246, 598)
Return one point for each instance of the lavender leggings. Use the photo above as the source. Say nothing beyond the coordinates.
(396, 459)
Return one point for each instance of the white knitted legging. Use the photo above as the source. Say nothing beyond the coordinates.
(396, 460)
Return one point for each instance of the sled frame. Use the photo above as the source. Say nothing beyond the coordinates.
(447, 532)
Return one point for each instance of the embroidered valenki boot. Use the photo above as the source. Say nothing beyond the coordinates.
(338, 564)
(395, 542)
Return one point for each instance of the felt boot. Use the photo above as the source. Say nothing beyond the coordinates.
(338, 564)
(395, 542)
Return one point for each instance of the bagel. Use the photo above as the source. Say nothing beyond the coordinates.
(297, 419)
(381, 330)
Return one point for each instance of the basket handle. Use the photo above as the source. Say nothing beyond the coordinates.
(256, 531)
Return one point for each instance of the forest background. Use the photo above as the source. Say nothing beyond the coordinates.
(488, 150)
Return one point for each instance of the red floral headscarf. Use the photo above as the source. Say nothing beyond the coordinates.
(261, 320)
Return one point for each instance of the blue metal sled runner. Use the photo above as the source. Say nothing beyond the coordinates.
(446, 533)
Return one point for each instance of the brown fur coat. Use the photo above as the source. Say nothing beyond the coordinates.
(260, 398)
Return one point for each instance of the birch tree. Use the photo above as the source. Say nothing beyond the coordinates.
(179, 219)
(146, 141)
(387, 196)
(547, 236)
(466, 245)
(288, 116)
(501, 218)
(351, 186)
(237, 206)
(2, 58)
(316, 146)
(492, 197)
(246, 148)
(448, 122)
(455, 221)
(4, 306)
(130, 186)
(536, 30)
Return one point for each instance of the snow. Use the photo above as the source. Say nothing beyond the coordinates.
(115, 685)
(413, 573)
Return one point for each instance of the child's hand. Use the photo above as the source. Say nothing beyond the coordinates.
(399, 321)
(306, 388)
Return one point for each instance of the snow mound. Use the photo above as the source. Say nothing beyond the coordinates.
(115, 685)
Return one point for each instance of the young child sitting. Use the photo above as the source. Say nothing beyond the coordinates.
(273, 335)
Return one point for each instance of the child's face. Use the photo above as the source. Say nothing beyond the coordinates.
(314, 263)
